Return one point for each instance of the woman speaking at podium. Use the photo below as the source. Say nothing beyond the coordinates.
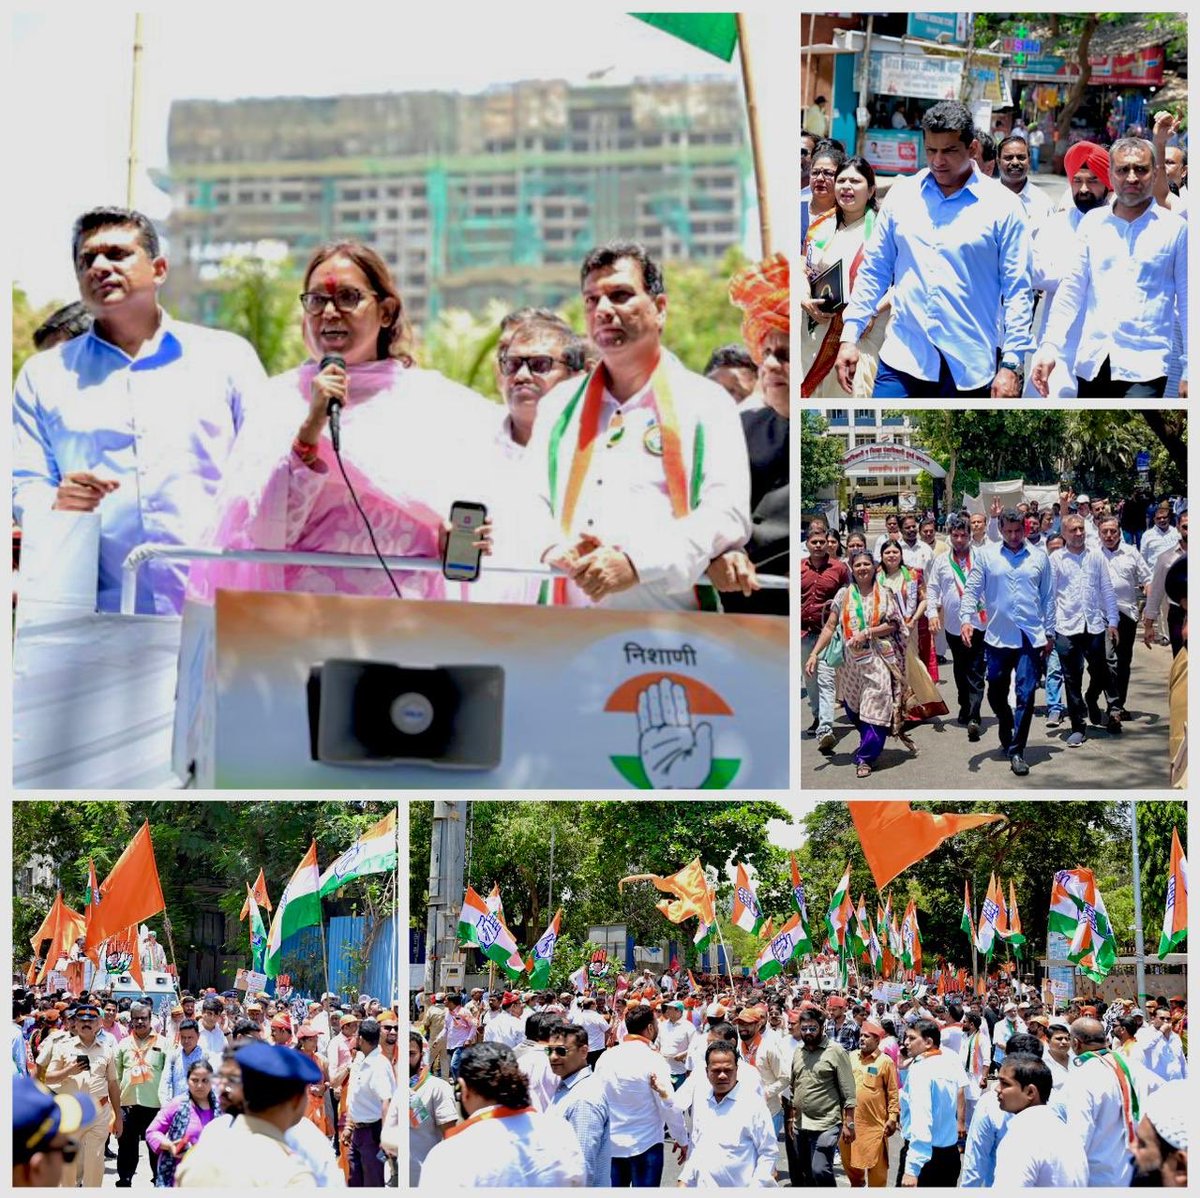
(411, 442)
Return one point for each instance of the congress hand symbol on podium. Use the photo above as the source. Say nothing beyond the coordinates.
(674, 754)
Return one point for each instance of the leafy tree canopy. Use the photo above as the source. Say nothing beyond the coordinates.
(820, 458)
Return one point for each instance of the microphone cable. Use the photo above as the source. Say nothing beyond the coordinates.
(335, 437)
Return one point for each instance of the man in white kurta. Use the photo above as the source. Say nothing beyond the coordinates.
(1035, 1150)
(733, 1137)
(639, 477)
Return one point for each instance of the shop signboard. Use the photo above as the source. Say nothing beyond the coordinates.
(895, 151)
(930, 25)
(1143, 68)
(918, 77)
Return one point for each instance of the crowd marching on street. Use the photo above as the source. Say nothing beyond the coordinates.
(222, 1091)
(1025, 597)
(597, 1089)
(967, 279)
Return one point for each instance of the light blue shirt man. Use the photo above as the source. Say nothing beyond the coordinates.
(580, 1100)
(929, 1106)
(952, 262)
(1016, 589)
(161, 424)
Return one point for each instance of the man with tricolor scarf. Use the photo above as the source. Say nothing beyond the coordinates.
(640, 474)
(1103, 1097)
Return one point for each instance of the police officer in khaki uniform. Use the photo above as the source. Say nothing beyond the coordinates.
(252, 1153)
(82, 1064)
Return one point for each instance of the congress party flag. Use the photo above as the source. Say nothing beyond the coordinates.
(747, 914)
(779, 951)
(910, 938)
(1077, 911)
(894, 836)
(768, 929)
(376, 851)
(860, 929)
(539, 962)
(1016, 937)
(966, 923)
(258, 933)
(989, 918)
(299, 907)
(800, 898)
(1174, 928)
(486, 931)
(704, 935)
(837, 921)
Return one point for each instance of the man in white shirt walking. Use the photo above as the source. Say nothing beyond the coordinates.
(1036, 1149)
(1129, 574)
(372, 1087)
(674, 1039)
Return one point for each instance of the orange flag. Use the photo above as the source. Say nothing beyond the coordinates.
(260, 897)
(894, 836)
(61, 927)
(122, 954)
(690, 888)
(130, 893)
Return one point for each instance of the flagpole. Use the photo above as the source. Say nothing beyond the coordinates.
(324, 955)
(760, 177)
(1139, 945)
(728, 961)
(974, 947)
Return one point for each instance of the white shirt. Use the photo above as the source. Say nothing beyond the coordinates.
(533, 1149)
(1035, 204)
(1084, 599)
(624, 499)
(543, 1081)
(1055, 252)
(1154, 542)
(943, 589)
(697, 1088)
(213, 1042)
(596, 1027)
(674, 1039)
(504, 1028)
(915, 557)
(372, 1083)
(1128, 573)
(1035, 1151)
(308, 1142)
(636, 1113)
(1095, 1117)
(733, 1142)
(1131, 283)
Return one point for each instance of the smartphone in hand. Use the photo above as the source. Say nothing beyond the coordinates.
(461, 560)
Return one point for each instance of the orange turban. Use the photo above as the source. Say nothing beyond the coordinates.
(1094, 157)
(762, 292)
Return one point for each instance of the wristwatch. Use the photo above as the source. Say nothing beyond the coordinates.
(1011, 362)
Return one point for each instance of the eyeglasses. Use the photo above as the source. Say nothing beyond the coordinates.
(537, 364)
(824, 175)
(557, 1050)
(345, 299)
(140, 1019)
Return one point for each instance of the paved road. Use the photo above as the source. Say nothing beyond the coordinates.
(1135, 758)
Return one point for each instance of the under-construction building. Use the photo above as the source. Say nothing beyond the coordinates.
(468, 197)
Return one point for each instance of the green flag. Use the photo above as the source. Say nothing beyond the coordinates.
(713, 32)
(258, 934)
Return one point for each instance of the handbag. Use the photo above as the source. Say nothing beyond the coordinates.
(835, 651)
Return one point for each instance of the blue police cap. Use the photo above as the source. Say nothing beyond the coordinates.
(277, 1062)
(39, 1116)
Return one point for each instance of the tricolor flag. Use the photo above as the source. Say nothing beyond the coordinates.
(861, 928)
(965, 925)
(494, 905)
(487, 931)
(910, 938)
(258, 933)
(800, 898)
(841, 911)
(779, 952)
(895, 944)
(1077, 910)
(747, 914)
(704, 935)
(1015, 935)
(1174, 929)
(376, 851)
(579, 979)
(543, 954)
(299, 907)
(874, 951)
(989, 919)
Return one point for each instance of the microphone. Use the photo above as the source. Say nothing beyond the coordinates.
(334, 407)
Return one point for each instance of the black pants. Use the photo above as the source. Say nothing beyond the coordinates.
(593, 1056)
(1103, 387)
(135, 1119)
(814, 1151)
(1120, 659)
(1073, 651)
(969, 674)
(941, 1169)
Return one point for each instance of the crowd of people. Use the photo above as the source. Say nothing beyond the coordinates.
(545, 1089)
(172, 434)
(221, 1091)
(1025, 598)
(967, 279)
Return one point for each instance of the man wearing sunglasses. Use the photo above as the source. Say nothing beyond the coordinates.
(537, 350)
(580, 1100)
(81, 1064)
(45, 1127)
(141, 1058)
(135, 418)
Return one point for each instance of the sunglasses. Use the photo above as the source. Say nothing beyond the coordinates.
(537, 363)
(781, 355)
(557, 1050)
(345, 299)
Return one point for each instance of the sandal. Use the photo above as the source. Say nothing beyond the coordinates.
(863, 771)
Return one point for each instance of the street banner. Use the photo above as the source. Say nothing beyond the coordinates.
(514, 696)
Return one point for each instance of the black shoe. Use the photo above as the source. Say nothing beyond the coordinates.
(1016, 763)
(973, 730)
(1095, 716)
(960, 719)
(811, 730)
(1112, 722)
(1121, 714)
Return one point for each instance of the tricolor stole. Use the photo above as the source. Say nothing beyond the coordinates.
(1131, 1107)
(579, 426)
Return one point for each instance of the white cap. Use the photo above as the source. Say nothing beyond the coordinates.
(715, 1011)
(1169, 1109)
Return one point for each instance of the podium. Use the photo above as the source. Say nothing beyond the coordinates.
(282, 691)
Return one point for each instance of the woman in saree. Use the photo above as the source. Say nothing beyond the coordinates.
(411, 443)
(822, 224)
(870, 680)
(909, 588)
(844, 241)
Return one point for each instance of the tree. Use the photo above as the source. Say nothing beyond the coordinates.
(258, 302)
(820, 459)
(25, 320)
